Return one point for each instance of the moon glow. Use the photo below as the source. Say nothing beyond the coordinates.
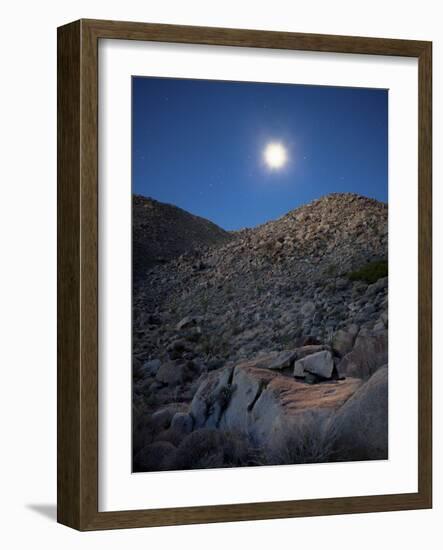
(275, 155)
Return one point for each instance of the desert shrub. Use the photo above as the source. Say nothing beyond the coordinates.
(310, 440)
(151, 399)
(211, 448)
(371, 272)
(153, 457)
(331, 270)
(207, 345)
(204, 302)
(284, 339)
(143, 430)
(172, 435)
(137, 370)
(216, 345)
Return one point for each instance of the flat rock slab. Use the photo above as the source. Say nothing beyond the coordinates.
(297, 397)
(280, 360)
(309, 350)
(275, 360)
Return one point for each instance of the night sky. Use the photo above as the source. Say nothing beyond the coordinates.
(199, 144)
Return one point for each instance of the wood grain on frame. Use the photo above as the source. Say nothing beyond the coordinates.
(77, 172)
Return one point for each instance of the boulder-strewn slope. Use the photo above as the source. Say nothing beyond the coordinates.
(261, 348)
(163, 231)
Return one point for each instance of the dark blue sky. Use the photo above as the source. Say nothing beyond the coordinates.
(199, 144)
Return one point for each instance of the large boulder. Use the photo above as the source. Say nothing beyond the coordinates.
(369, 353)
(248, 384)
(161, 419)
(263, 403)
(210, 398)
(320, 364)
(360, 426)
(282, 360)
(343, 341)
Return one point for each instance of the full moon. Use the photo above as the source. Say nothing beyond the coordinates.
(275, 155)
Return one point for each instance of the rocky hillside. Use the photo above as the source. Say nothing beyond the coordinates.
(296, 297)
(163, 231)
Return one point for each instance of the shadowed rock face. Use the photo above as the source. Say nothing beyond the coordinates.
(361, 425)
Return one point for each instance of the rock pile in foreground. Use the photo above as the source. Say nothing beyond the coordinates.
(261, 349)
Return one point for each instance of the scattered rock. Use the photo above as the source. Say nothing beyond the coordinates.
(311, 341)
(307, 310)
(299, 371)
(193, 334)
(210, 398)
(180, 345)
(341, 283)
(376, 287)
(186, 322)
(161, 419)
(151, 367)
(154, 319)
(172, 373)
(379, 325)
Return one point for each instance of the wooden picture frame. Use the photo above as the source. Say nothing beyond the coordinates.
(78, 274)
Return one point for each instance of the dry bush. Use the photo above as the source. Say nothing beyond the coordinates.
(310, 440)
(212, 448)
(153, 457)
(172, 435)
(371, 272)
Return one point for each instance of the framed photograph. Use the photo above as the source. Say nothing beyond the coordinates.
(244, 275)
